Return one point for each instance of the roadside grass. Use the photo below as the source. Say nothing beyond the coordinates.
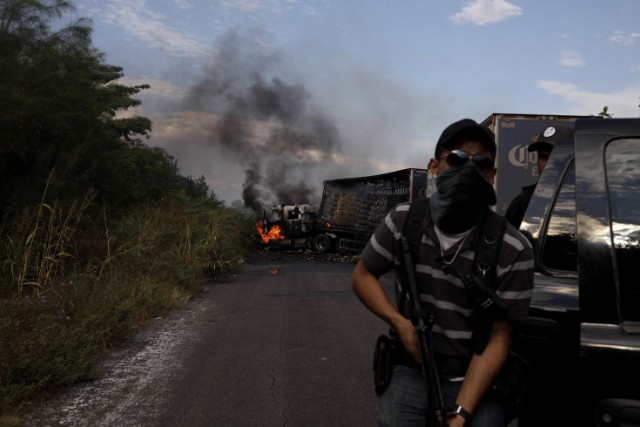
(71, 288)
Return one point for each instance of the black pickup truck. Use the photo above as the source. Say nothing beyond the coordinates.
(583, 341)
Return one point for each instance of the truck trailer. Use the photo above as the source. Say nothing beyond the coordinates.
(516, 166)
(351, 208)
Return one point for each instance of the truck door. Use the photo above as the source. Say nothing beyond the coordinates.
(584, 222)
(621, 232)
(608, 221)
(608, 207)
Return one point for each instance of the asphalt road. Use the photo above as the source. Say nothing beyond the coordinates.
(283, 343)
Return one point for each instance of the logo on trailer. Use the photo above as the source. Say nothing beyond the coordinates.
(549, 132)
(518, 156)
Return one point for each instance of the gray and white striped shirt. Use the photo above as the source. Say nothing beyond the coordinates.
(444, 294)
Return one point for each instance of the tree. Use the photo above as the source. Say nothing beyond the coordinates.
(59, 105)
(60, 123)
(605, 113)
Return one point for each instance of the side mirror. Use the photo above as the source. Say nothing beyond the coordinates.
(618, 413)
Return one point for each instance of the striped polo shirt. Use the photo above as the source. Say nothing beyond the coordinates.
(442, 293)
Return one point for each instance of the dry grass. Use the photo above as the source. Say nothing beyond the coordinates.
(71, 289)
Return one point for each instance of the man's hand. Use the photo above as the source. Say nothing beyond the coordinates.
(408, 335)
(456, 421)
(485, 367)
(369, 290)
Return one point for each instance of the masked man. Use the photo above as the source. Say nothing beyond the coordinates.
(464, 170)
(542, 146)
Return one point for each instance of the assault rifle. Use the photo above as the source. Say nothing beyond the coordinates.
(436, 409)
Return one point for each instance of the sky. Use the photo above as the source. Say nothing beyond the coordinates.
(268, 98)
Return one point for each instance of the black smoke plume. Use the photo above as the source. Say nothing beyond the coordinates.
(269, 126)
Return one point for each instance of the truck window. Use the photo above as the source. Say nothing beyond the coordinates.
(560, 245)
(622, 163)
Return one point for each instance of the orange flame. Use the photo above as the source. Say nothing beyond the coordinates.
(275, 232)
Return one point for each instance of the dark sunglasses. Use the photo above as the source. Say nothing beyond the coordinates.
(459, 158)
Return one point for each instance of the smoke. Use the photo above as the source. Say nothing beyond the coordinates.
(250, 192)
(269, 126)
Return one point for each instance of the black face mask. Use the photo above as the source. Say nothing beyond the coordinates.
(463, 195)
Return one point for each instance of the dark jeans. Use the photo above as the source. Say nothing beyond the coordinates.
(404, 402)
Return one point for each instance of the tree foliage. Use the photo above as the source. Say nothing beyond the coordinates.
(59, 117)
(605, 113)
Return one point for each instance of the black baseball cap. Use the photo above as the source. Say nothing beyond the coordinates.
(466, 129)
(548, 137)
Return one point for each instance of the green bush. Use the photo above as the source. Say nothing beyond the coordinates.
(58, 314)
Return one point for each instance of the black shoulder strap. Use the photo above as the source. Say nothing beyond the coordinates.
(487, 247)
(412, 230)
(489, 243)
(413, 224)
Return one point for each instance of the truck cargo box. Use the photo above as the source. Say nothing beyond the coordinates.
(351, 208)
(516, 166)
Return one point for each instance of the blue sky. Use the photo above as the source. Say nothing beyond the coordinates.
(368, 85)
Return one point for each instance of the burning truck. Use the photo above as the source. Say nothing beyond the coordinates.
(350, 210)
(287, 225)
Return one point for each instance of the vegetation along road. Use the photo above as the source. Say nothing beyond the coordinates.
(285, 342)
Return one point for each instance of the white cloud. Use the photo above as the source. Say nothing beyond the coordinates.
(183, 4)
(483, 12)
(253, 6)
(158, 88)
(571, 59)
(621, 103)
(619, 37)
(246, 5)
(138, 19)
(309, 10)
(635, 67)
